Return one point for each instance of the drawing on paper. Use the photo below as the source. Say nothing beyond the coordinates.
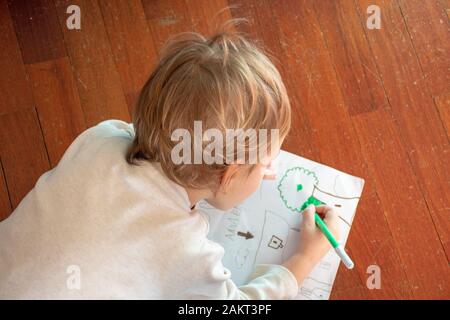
(275, 242)
(307, 192)
(313, 289)
(304, 180)
(265, 228)
(278, 239)
(241, 257)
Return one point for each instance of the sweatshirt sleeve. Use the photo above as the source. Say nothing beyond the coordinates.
(267, 282)
(209, 279)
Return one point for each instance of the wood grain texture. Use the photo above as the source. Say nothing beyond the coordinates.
(208, 16)
(429, 31)
(443, 105)
(404, 206)
(5, 203)
(413, 108)
(352, 58)
(325, 108)
(166, 19)
(131, 43)
(260, 18)
(309, 66)
(370, 223)
(22, 151)
(15, 91)
(57, 103)
(37, 30)
(98, 82)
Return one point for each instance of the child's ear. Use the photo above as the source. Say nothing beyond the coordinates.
(227, 176)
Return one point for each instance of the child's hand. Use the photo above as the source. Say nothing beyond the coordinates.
(313, 243)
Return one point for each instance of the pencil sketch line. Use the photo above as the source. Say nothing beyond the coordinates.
(260, 238)
(333, 195)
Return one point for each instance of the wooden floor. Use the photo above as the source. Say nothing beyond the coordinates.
(374, 103)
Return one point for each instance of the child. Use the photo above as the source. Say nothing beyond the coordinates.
(117, 219)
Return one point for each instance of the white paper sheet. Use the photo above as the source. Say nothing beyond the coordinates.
(266, 227)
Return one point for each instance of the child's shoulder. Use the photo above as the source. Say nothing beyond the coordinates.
(106, 141)
(106, 134)
(110, 128)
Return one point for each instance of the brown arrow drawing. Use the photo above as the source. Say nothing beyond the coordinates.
(247, 235)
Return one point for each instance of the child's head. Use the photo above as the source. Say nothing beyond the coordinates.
(222, 82)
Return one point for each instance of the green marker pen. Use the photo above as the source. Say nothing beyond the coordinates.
(340, 251)
(336, 245)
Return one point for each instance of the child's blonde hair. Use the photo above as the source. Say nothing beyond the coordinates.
(225, 81)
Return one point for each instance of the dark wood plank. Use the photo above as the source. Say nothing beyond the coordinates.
(208, 16)
(95, 73)
(15, 91)
(168, 18)
(412, 106)
(22, 151)
(312, 71)
(261, 29)
(131, 42)
(429, 31)
(5, 204)
(58, 105)
(353, 61)
(406, 211)
(37, 30)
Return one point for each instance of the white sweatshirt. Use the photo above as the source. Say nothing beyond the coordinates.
(97, 227)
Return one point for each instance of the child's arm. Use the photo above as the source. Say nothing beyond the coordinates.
(313, 244)
(267, 282)
(211, 280)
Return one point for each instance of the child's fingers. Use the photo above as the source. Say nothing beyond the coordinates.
(331, 218)
(327, 213)
(323, 210)
(308, 215)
